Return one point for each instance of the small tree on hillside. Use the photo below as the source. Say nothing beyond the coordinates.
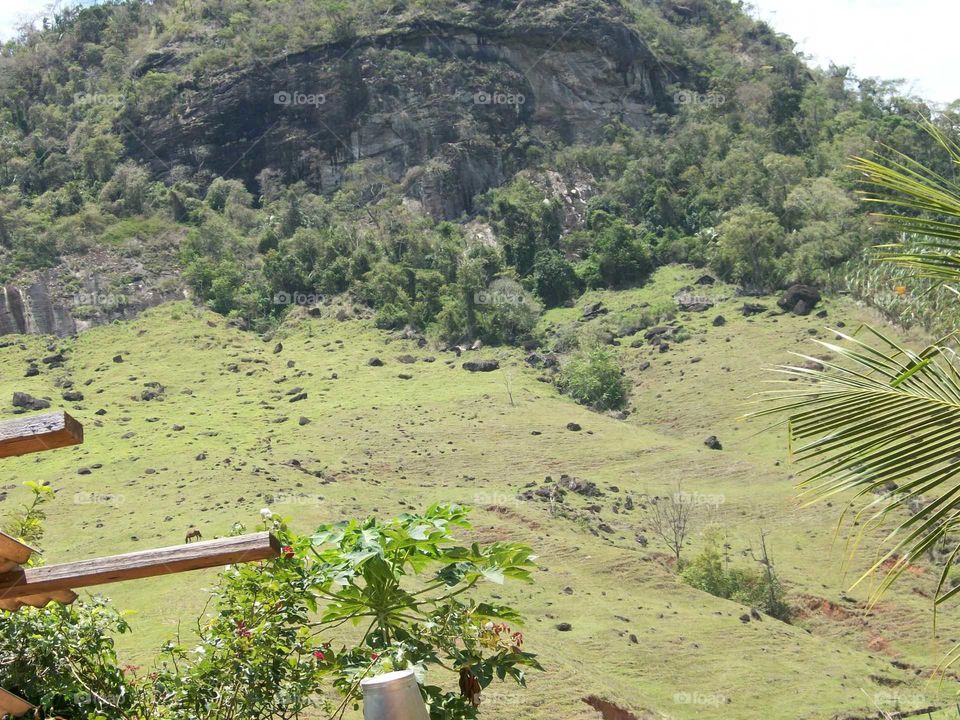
(670, 521)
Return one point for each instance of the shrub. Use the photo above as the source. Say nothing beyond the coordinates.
(620, 256)
(594, 378)
(554, 278)
(757, 588)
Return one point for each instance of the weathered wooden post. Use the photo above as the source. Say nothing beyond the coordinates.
(393, 696)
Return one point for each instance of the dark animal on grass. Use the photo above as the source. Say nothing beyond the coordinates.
(193, 535)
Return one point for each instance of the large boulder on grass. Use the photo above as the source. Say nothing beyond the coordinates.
(481, 365)
(799, 299)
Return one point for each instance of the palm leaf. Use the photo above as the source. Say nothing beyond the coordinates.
(876, 415)
(923, 204)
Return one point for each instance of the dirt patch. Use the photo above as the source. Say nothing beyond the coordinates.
(811, 605)
(890, 562)
(508, 513)
(878, 643)
(609, 710)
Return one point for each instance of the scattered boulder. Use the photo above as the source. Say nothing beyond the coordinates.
(73, 396)
(745, 618)
(29, 402)
(594, 310)
(755, 614)
(304, 420)
(298, 397)
(719, 321)
(118, 358)
(278, 348)
(799, 299)
(749, 309)
(574, 427)
(481, 365)
(406, 359)
(687, 304)
(32, 371)
(564, 627)
(713, 443)
(375, 362)
(706, 280)
(580, 487)
(405, 376)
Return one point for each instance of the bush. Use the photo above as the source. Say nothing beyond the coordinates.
(620, 256)
(756, 588)
(594, 378)
(554, 278)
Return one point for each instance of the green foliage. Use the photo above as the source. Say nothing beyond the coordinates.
(271, 649)
(750, 248)
(554, 278)
(594, 378)
(621, 256)
(526, 221)
(711, 572)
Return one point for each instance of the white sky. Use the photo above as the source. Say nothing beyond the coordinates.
(913, 40)
(892, 39)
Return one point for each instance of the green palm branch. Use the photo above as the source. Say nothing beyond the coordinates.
(878, 419)
(883, 422)
(928, 206)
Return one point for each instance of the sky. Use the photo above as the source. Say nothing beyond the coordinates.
(912, 40)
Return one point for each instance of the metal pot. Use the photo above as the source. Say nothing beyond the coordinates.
(393, 696)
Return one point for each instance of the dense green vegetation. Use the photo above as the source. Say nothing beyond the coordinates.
(743, 173)
(263, 655)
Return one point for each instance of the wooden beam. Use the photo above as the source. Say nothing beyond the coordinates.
(11, 705)
(38, 432)
(13, 551)
(45, 581)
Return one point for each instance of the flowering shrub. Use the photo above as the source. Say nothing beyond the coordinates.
(352, 601)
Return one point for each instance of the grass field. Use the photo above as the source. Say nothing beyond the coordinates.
(380, 444)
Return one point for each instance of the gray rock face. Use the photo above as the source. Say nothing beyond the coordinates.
(84, 291)
(431, 107)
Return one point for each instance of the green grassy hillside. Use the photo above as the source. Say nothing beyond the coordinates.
(223, 440)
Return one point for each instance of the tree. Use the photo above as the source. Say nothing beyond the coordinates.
(750, 246)
(595, 378)
(670, 520)
(880, 415)
(554, 278)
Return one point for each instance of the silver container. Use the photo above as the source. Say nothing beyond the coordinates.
(393, 696)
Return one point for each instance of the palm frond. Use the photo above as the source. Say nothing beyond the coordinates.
(923, 204)
(880, 414)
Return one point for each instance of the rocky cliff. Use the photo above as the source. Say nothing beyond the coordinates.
(446, 110)
(83, 291)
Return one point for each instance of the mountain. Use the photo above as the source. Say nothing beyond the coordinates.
(156, 150)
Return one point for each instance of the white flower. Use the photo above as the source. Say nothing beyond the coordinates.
(266, 514)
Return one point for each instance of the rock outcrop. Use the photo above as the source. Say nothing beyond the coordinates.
(432, 107)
